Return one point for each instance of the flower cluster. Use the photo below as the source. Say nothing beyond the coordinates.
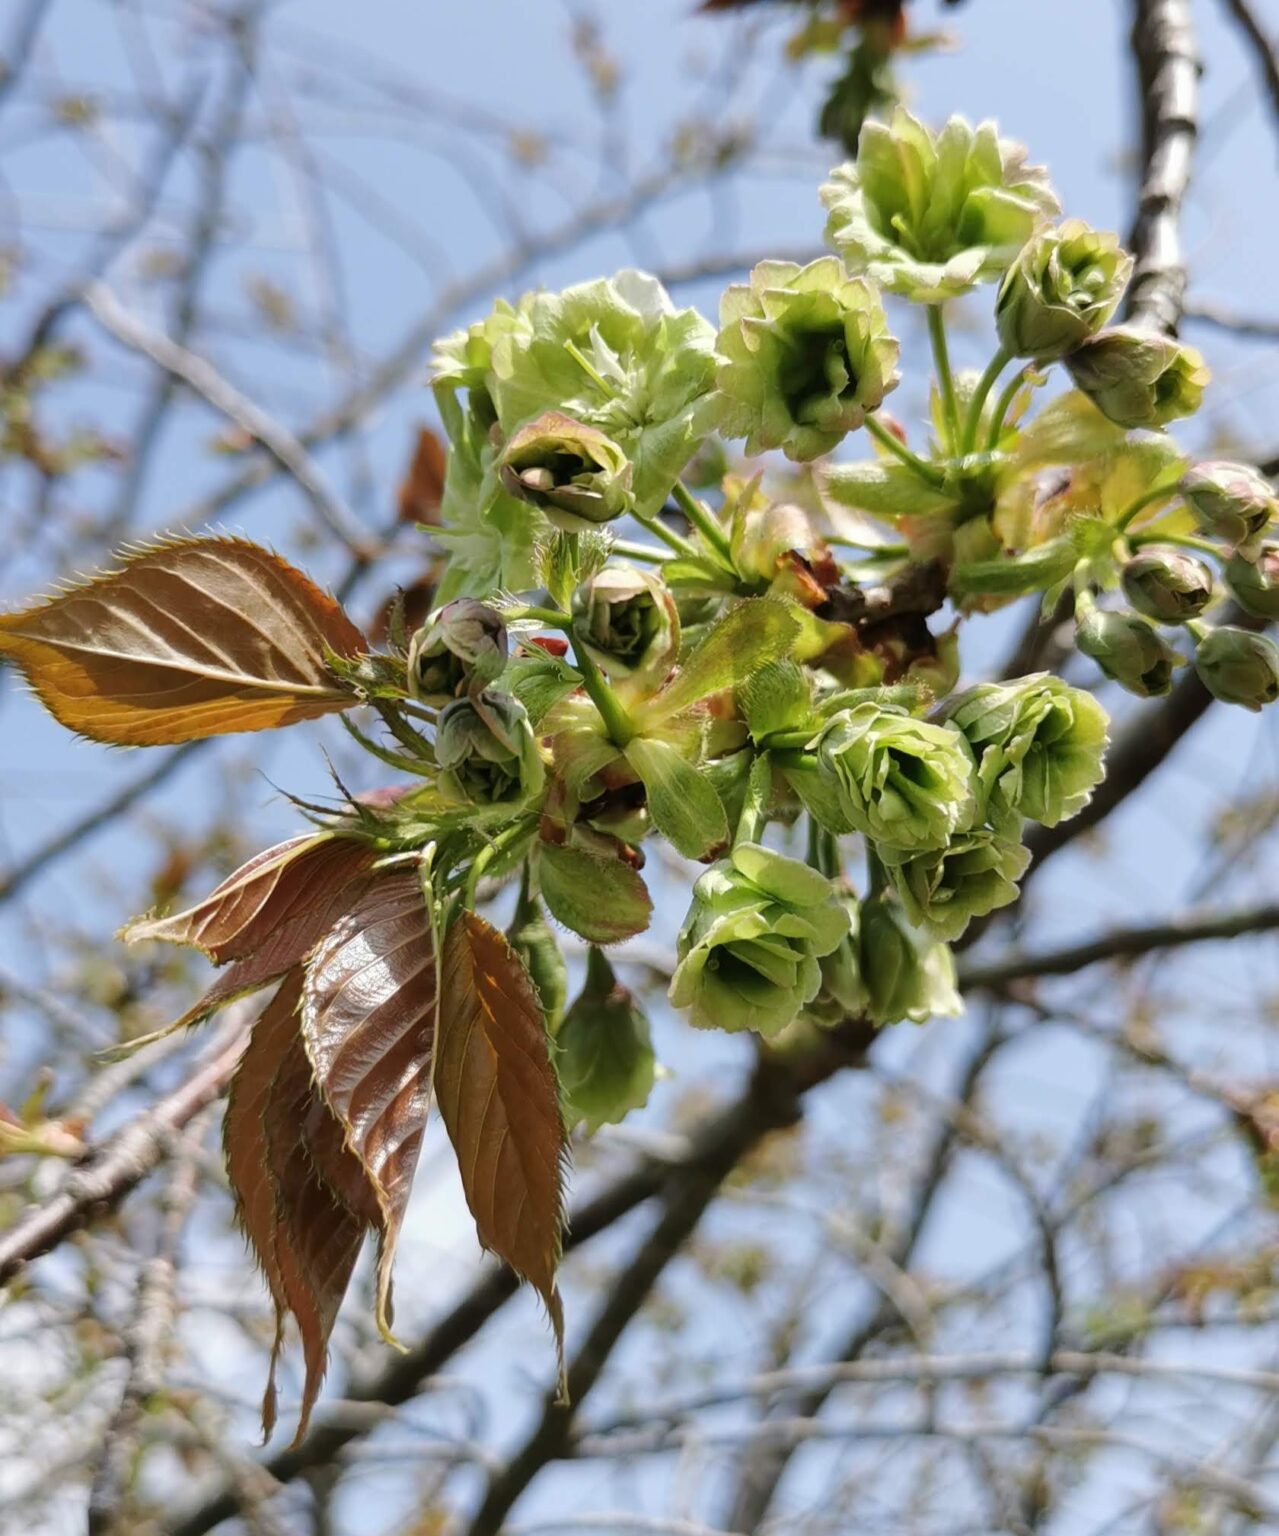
(732, 670)
(645, 631)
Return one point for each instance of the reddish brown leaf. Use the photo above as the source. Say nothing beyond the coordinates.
(497, 1093)
(191, 638)
(298, 1190)
(424, 484)
(269, 915)
(368, 1020)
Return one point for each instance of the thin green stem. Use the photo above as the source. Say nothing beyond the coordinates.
(889, 440)
(616, 721)
(986, 383)
(488, 854)
(668, 536)
(588, 368)
(1198, 629)
(754, 813)
(876, 874)
(642, 552)
(552, 618)
(1164, 493)
(1182, 540)
(702, 520)
(1003, 405)
(945, 378)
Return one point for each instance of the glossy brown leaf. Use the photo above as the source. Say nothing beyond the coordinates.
(424, 484)
(269, 915)
(189, 638)
(499, 1101)
(368, 1020)
(300, 1194)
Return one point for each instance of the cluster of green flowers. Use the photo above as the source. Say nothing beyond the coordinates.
(735, 671)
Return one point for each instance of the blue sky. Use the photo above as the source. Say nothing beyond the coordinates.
(1055, 75)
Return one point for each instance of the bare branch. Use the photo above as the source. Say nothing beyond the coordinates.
(198, 374)
(1163, 43)
(1120, 943)
(1265, 47)
(125, 1160)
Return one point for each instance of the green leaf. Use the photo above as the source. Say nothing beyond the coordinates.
(682, 802)
(748, 637)
(777, 698)
(886, 491)
(603, 900)
(604, 1051)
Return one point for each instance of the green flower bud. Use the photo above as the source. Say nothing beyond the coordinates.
(1255, 583)
(576, 474)
(804, 352)
(531, 938)
(1063, 287)
(929, 215)
(902, 782)
(750, 946)
(604, 1051)
(906, 974)
(1039, 745)
(1239, 667)
(1167, 585)
(843, 993)
(974, 874)
(1139, 378)
(1128, 649)
(627, 621)
(462, 647)
(487, 752)
(1230, 501)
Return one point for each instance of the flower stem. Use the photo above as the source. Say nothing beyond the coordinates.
(899, 450)
(1163, 493)
(702, 520)
(945, 378)
(669, 537)
(643, 552)
(493, 850)
(986, 383)
(1182, 540)
(754, 814)
(553, 618)
(616, 721)
(1003, 405)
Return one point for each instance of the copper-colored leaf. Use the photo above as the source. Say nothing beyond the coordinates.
(298, 1190)
(424, 484)
(190, 638)
(368, 1020)
(269, 915)
(497, 1093)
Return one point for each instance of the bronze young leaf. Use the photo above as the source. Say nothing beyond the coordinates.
(268, 916)
(499, 1101)
(368, 1022)
(296, 1188)
(190, 638)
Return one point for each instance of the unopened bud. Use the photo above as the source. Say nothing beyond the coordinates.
(1239, 667)
(1128, 649)
(1139, 378)
(1255, 583)
(1231, 501)
(1167, 585)
(626, 619)
(462, 647)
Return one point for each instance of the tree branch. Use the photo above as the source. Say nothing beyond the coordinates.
(1163, 44)
(124, 1161)
(1264, 47)
(1119, 944)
